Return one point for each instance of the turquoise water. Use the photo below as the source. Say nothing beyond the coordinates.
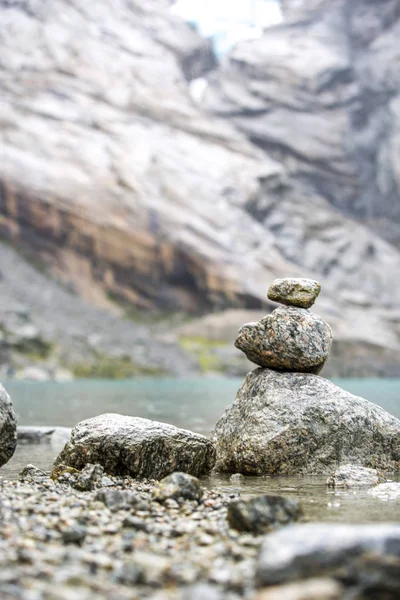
(195, 403)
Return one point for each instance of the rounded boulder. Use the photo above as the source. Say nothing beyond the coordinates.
(138, 447)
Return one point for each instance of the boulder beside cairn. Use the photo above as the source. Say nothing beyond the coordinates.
(290, 338)
(137, 447)
(286, 419)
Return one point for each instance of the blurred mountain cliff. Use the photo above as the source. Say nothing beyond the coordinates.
(125, 192)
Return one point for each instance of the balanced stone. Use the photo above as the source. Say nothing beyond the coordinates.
(289, 339)
(137, 447)
(294, 291)
(8, 427)
(298, 423)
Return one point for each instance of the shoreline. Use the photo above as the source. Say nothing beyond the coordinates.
(119, 541)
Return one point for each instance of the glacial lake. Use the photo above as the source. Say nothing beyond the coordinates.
(195, 404)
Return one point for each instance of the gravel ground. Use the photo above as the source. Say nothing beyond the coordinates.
(118, 542)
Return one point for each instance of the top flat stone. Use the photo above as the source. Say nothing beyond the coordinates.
(294, 291)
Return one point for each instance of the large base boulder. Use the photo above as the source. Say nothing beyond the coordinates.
(8, 427)
(298, 423)
(137, 447)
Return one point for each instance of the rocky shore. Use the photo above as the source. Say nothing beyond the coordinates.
(124, 515)
(70, 535)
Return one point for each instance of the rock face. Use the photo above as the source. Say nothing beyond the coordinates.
(294, 292)
(321, 94)
(293, 423)
(8, 427)
(137, 447)
(263, 513)
(289, 339)
(365, 557)
(131, 192)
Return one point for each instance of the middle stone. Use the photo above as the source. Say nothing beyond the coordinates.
(289, 339)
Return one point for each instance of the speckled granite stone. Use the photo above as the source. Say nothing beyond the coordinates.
(289, 339)
(294, 291)
(298, 423)
(8, 427)
(137, 447)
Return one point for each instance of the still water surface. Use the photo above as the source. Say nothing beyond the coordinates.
(194, 404)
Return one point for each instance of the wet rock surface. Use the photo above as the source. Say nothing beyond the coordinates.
(8, 427)
(263, 513)
(353, 476)
(298, 423)
(365, 557)
(137, 447)
(289, 339)
(294, 291)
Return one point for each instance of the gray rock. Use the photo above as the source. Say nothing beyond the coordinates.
(263, 513)
(296, 423)
(289, 339)
(31, 473)
(74, 534)
(353, 476)
(366, 557)
(178, 486)
(137, 447)
(386, 491)
(120, 499)
(236, 478)
(294, 291)
(8, 427)
(317, 588)
(89, 478)
(131, 522)
(322, 133)
(32, 434)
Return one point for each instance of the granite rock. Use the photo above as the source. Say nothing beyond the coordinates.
(353, 476)
(366, 557)
(261, 514)
(178, 486)
(294, 291)
(89, 478)
(137, 447)
(289, 339)
(8, 427)
(297, 423)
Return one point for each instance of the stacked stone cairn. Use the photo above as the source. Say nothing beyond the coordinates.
(287, 420)
(291, 338)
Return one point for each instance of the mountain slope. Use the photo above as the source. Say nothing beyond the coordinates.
(114, 181)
